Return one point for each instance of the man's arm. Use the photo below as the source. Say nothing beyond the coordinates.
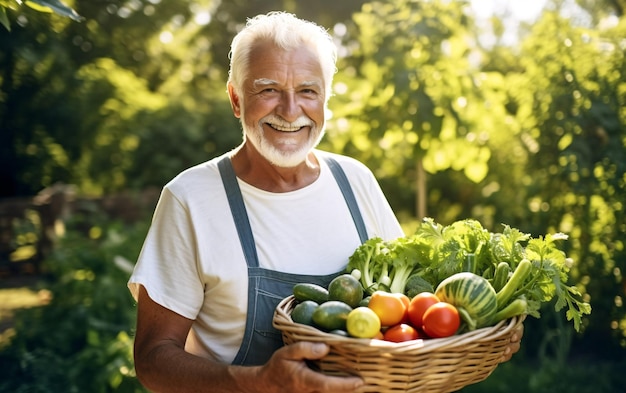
(162, 365)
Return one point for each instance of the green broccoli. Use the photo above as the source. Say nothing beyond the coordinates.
(417, 284)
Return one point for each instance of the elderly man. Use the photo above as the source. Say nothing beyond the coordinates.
(230, 237)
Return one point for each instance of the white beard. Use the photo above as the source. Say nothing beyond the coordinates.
(278, 157)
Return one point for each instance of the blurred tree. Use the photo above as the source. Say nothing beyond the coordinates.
(412, 101)
(576, 171)
(600, 9)
(39, 5)
(81, 101)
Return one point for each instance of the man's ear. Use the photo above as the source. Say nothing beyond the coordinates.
(235, 102)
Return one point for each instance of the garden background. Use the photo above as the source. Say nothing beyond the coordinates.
(101, 107)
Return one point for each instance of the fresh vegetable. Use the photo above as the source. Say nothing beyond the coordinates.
(383, 265)
(347, 289)
(308, 291)
(403, 264)
(405, 301)
(501, 276)
(472, 295)
(522, 271)
(303, 312)
(363, 322)
(470, 264)
(417, 284)
(365, 267)
(446, 250)
(435, 252)
(389, 307)
(471, 268)
(441, 320)
(400, 333)
(331, 315)
(516, 307)
(418, 306)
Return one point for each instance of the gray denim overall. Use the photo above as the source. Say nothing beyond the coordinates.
(266, 288)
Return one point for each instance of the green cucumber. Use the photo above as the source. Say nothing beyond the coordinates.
(308, 291)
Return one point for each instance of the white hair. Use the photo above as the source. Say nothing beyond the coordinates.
(287, 32)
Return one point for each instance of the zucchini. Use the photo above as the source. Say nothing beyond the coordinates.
(472, 295)
(308, 291)
(521, 272)
(501, 276)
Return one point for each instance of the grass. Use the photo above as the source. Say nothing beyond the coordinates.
(17, 293)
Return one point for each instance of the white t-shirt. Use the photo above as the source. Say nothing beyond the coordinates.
(192, 261)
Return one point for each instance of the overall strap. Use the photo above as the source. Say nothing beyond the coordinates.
(348, 195)
(238, 210)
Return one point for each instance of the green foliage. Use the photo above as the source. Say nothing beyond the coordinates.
(39, 5)
(82, 340)
(132, 79)
(576, 148)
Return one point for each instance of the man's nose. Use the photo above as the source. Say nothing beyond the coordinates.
(289, 108)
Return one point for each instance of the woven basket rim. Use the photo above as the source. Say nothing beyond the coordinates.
(283, 322)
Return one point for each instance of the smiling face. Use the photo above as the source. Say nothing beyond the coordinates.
(282, 102)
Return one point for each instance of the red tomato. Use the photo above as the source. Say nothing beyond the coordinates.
(418, 306)
(441, 320)
(400, 333)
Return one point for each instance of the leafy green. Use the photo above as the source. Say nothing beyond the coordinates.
(550, 277)
(435, 252)
(445, 249)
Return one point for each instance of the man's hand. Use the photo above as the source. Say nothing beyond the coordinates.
(287, 371)
(514, 345)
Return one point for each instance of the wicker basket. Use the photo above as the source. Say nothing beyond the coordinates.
(433, 365)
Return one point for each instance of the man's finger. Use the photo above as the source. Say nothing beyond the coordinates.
(305, 350)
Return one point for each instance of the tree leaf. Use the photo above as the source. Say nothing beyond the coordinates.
(4, 20)
(55, 6)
